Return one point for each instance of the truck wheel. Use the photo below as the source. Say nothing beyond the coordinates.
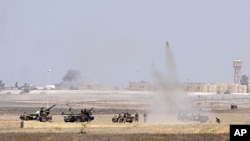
(78, 120)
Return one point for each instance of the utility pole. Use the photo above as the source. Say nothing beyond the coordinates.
(48, 71)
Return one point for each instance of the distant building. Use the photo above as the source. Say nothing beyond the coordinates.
(80, 86)
(50, 87)
(93, 86)
(223, 87)
(62, 86)
(237, 64)
(139, 86)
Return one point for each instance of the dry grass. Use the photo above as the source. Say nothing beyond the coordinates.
(103, 129)
(111, 137)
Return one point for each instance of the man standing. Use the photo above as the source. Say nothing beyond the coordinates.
(136, 117)
(145, 117)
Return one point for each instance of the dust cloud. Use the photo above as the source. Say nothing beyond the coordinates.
(168, 98)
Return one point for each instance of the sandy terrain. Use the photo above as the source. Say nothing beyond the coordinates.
(103, 129)
(106, 104)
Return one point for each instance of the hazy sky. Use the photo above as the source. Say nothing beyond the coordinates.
(113, 42)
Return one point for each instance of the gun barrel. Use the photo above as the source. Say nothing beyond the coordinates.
(50, 107)
(91, 109)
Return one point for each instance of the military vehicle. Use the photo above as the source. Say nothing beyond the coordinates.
(185, 116)
(84, 116)
(43, 115)
(25, 116)
(26, 88)
(123, 117)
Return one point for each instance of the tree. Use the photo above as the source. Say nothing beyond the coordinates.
(1, 85)
(244, 81)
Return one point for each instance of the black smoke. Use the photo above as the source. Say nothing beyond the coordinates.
(72, 76)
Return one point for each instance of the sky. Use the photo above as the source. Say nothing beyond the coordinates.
(113, 42)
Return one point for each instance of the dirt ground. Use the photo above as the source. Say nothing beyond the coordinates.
(102, 128)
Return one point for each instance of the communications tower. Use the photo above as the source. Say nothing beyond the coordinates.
(237, 64)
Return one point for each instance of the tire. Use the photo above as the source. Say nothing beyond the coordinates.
(78, 120)
(114, 120)
(120, 120)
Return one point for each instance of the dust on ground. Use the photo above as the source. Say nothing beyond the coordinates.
(106, 105)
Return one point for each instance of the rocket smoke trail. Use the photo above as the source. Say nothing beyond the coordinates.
(168, 99)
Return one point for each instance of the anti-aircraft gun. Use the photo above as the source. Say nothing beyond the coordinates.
(123, 117)
(43, 115)
(85, 115)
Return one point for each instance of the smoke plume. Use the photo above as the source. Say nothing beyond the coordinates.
(168, 98)
(72, 76)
